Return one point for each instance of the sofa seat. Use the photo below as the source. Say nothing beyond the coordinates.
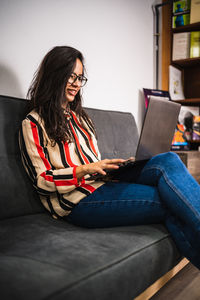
(45, 258)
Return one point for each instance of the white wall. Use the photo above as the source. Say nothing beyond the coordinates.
(115, 36)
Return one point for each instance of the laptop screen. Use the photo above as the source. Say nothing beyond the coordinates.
(158, 128)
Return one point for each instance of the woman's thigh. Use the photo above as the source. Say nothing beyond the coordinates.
(117, 204)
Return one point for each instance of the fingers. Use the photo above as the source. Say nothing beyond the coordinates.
(110, 166)
(103, 165)
(131, 158)
(101, 171)
(114, 161)
(111, 163)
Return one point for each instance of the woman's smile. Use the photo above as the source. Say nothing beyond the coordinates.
(72, 92)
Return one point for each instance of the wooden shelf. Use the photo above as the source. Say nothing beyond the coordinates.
(189, 102)
(187, 28)
(194, 142)
(189, 62)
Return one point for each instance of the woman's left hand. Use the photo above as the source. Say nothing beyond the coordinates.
(98, 167)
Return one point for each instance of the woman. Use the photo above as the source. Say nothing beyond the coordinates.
(59, 151)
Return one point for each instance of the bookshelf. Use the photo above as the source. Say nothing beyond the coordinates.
(190, 67)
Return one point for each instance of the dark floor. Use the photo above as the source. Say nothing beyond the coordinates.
(184, 286)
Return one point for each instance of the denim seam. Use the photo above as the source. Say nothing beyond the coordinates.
(170, 183)
(186, 242)
(122, 200)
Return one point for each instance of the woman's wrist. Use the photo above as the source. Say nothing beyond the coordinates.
(81, 171)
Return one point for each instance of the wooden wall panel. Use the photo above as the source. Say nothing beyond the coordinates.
(166, 45)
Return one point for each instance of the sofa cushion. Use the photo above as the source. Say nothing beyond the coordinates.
(43, 258)
(116, 132)
(17, 194)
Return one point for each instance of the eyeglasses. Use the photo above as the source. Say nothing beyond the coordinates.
(81, 79)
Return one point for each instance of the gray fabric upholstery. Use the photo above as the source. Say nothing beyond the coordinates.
(116, 131)
(42, 258)
(17, 195)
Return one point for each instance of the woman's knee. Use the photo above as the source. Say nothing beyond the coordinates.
(168, 161)
(167, 157)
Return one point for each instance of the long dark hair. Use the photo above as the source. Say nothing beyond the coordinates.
(47, 92)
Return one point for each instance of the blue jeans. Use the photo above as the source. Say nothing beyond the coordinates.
(162, 191)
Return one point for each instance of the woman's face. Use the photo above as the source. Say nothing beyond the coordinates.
(73, 84)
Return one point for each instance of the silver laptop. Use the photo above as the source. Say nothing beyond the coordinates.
(156, 135)
(158, 128)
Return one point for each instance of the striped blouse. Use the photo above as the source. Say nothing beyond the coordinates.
(52, 169)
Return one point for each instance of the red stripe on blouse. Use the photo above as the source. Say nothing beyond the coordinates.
(65, 183)
(88, 187)
(38, 146)
(68, 158)
(78, 145)
(85, 132)
(47, 177)
(58, 182)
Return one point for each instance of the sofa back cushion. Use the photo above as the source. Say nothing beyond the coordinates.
(117, 133)
(17, 197)
(117, 137)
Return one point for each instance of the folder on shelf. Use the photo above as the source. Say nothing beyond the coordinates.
(195, 11)
(181, 45)
(175, 84)
(195, 44)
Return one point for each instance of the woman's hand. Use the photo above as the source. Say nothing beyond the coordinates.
(98, 167)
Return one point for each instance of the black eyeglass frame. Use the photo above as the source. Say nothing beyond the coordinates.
(81, 78)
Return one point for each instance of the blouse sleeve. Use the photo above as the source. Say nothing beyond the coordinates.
(35, 158)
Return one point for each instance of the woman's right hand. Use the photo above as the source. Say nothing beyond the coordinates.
(98, 167)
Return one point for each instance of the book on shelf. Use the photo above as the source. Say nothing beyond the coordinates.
(195, 44)
(195, 11)
(181, 46)
(175, 84)
(179, 141)
(181, 13)
(196, 128)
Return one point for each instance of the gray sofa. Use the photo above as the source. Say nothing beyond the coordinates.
(42, 258)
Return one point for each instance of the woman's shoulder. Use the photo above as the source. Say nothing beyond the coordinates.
(33, 116)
